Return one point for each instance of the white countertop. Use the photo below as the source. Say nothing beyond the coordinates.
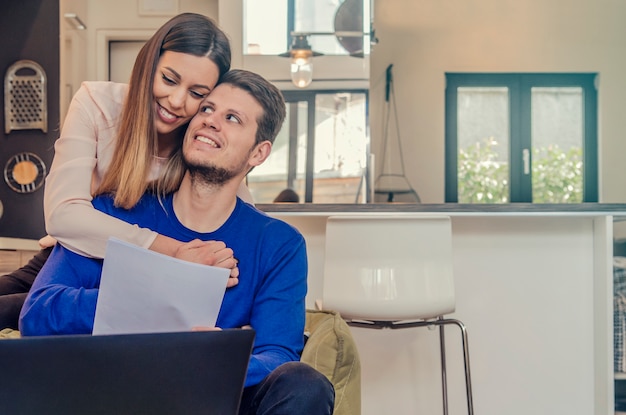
(19, 244)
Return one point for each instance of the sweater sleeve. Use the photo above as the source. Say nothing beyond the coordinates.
(63, 297)
(278, 312)
(82, 154)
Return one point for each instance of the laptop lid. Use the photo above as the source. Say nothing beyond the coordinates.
(163, 373)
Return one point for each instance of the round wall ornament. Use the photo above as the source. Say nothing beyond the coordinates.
(25, 172)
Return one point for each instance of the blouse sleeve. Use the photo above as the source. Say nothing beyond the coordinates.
(82, 154)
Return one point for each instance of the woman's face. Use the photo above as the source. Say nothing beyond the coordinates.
(181, 82)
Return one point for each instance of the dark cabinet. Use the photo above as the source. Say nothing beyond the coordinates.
(31, 113)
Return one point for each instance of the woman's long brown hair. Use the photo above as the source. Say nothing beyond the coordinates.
(137, 140)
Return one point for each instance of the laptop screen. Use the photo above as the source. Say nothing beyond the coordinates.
(163, 373)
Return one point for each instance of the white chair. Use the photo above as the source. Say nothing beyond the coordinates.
(394, 271)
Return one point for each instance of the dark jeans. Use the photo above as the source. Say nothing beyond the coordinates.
(14, 288)
(292, 388)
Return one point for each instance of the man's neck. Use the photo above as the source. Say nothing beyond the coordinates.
(204, 208)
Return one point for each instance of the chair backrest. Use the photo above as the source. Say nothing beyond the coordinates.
(388, 267)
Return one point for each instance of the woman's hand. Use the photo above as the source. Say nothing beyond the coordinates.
(214, 253)
(47, 241)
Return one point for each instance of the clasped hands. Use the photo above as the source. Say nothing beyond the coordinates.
(214, 253)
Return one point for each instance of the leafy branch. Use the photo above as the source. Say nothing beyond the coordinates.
(483, 178)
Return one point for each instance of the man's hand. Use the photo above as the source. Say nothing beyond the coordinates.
(214, 253)
(205, 328)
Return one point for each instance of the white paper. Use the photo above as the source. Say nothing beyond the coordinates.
(142, 291)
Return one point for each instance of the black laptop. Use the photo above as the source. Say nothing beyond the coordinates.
(166, 373)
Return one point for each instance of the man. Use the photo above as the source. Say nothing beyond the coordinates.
(232, 133)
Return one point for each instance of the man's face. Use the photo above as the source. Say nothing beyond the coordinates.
(220, 140)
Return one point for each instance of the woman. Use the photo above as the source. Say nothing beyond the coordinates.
(117, 138)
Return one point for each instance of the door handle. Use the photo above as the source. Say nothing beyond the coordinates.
(526, 160)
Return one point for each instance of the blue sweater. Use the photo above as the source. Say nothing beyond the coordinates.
(270, 295)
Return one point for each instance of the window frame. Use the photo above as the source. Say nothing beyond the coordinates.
(519, 86)
(310, 97)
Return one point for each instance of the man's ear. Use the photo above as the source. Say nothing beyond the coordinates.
(260, 153)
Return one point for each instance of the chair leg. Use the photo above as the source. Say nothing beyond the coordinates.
(441, 322)
(444, 379)
(466, 361)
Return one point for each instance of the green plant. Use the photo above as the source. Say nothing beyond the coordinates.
(482, 178)
(557, 175)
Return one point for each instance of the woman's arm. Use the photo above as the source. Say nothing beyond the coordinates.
(82, 154)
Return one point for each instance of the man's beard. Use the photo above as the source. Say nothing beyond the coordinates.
(209, 174)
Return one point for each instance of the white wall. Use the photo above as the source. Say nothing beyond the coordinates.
(124, 15)
(424, 39)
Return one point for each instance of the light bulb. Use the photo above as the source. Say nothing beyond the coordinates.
(301, 66)
(302, 74)
(299, 60)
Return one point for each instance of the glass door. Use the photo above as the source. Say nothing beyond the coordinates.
(521, 138)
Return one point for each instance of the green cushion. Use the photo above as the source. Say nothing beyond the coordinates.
(331, 350)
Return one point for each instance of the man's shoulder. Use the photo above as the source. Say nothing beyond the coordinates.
(103, 202)
(270, 223)
(106, 203)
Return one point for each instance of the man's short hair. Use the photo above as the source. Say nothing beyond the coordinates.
(267, 95)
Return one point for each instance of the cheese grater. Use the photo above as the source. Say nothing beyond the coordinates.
(25, 103)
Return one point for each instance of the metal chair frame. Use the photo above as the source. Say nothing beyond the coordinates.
(440, 322)
(394, 271)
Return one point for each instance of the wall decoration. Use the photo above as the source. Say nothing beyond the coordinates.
(25, 172)
(392, 181)
(25, 102)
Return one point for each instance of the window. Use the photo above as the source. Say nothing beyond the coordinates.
(314, 17)
(321, 151)
(521, 138)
